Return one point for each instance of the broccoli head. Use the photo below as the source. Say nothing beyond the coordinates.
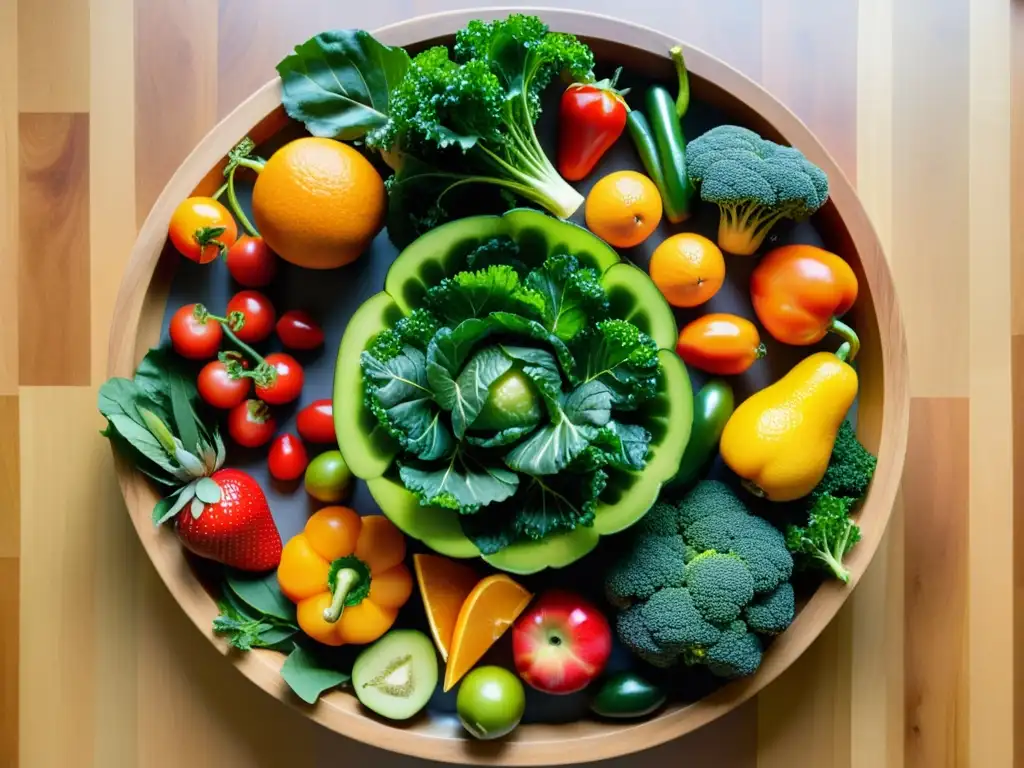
(699, 581)
(828, 535)
(850, 468)
(754, 182)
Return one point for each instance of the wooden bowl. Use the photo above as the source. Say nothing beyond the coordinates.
(882, 409)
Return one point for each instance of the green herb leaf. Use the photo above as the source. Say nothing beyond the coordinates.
(308, 677)
(338, 83)
(572, 296)
(184, 420)
(463, 483)
(262, 594)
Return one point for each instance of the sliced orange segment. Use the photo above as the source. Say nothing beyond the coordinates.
(491, 608)
(444, 586)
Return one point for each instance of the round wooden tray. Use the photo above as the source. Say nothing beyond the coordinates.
(882, 413)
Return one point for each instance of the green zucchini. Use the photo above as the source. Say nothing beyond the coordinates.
(713, 404)
(625, 695)
(668, 135)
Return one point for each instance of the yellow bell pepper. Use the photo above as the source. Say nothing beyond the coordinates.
(346, 575)
(779, 440)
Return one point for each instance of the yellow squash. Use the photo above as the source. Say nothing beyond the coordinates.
(779, 440)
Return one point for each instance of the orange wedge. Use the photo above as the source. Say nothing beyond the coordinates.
(444, 586)
(489, 610)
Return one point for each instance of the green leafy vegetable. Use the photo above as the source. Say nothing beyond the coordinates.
(308, 677)
(531, 431)
(262, 594)
(339, 83)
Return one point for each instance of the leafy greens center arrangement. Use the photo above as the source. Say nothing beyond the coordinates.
(511, 394)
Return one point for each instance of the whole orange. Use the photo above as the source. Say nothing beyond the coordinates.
(623, 208)
(318, 203)
(688, 269)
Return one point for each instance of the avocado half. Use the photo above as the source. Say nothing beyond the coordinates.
(370, 452)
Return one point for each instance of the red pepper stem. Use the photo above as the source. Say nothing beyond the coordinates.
(346, 579)
(849, 336)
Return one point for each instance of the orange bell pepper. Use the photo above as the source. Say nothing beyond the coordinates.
(346, 575)
(799, 293)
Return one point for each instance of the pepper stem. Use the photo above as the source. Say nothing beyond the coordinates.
(761, 351)
(848, 335)
(683, 97)
(346, 579)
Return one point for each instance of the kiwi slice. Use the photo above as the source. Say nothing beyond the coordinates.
(396, 676)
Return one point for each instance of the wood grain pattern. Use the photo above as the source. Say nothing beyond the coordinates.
(53, 253)
(53, 55)
(8, 198)
(916, 153)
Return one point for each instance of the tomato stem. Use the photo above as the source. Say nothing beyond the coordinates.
(264, 374)
(236, 207)
(220, 192)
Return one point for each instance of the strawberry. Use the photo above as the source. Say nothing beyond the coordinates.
(229, 521)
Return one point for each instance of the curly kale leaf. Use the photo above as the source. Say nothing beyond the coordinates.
(573, 296)
(464, 482)
(622, 357)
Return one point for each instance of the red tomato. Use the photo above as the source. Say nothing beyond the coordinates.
(202, 229)
(192, 337)
(251, 424)
(288, 458)
(298, 330)
(251, 262)
(592, 116)
(259, 315)
(315, 422)
(218, 388)
(288, 384)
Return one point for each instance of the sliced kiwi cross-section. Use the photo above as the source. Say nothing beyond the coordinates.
(396, 676)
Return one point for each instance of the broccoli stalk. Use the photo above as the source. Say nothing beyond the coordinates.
(828, 535)
(470, 120)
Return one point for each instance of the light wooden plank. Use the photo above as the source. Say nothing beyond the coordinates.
(1018, 548)
(175, 89)
(1017, 165)
(8, 198)
(935, 495)
(228, 721)
(809, 53)
(61, 458)
(53, 55)
(9, 661)
(990, 631)
(10, 531)
(930, 183)
(112, 217)
(53, 253)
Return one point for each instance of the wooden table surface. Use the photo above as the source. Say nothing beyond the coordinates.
(921, 102)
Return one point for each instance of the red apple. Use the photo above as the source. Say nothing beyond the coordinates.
(561, 643)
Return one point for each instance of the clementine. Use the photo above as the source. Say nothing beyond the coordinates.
(444, 586)
(318, 203)
(623, 208)
(688, 269)
(490, 609)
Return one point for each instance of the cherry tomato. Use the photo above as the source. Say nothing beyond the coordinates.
(315, 422)
(288, 458)
(218, 388)
(288, 384)
(251, 424)
(298, 330)
(251, 262)
(192, 337)
(259, 315)
(591, 119)
(202, 229)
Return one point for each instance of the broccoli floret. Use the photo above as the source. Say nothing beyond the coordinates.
(828, 535)
(850, 468)
(754, 182)
(695, 577)
(736, 654)
(771, 614)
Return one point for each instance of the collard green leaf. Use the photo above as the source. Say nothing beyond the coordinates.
(338, 83)
(574, 426)
(478, 294)
(464, 483)
(505, 322)
(308, 677)
(573, 296)
(552, 505)
(540, 366)
(473, 386)
(620, 356)
(502, 438)
(262, 594)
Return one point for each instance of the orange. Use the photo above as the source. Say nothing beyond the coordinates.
(623, 208)
(688, 269)
(489, 610)
(318, 203)
(444, 586)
